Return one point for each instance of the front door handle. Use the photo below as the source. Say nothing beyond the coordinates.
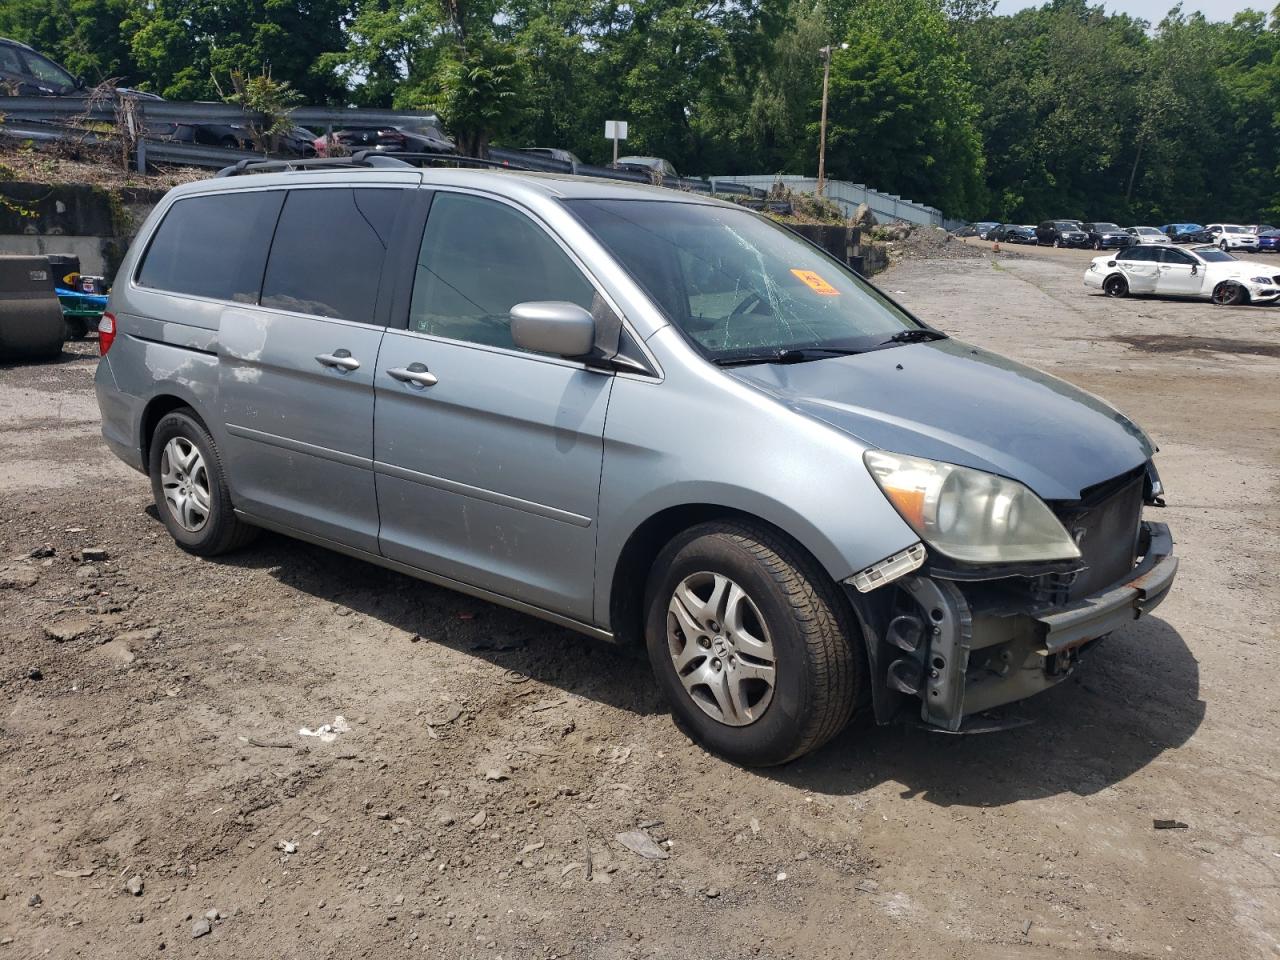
(415, 375)
(338, 360)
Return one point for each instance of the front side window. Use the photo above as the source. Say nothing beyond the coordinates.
(478, 259)
(1177, 257)
(49, 74)
(327, 255)
(738, 285)
(213, 246)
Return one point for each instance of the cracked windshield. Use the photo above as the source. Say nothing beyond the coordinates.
(741, 288)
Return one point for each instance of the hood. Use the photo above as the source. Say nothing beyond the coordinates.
(953, 402)
(1251, 268)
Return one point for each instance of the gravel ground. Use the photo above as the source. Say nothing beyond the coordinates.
(157, 792)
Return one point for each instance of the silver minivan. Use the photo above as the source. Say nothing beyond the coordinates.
(644, 414)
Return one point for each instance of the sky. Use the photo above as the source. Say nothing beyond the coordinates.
(1154, 10)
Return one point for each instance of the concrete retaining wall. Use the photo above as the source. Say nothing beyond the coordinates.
(93, 223)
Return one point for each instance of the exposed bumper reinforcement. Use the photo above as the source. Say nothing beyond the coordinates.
(1104, 612)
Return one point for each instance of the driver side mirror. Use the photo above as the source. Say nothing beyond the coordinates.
(556, 327)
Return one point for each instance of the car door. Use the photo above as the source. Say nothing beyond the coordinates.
(488, 458)
(297, 367)
(1180, 274)
(1140, 267)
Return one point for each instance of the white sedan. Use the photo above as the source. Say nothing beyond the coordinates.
(1147, 235)
(1205, 272)
(1232, 236)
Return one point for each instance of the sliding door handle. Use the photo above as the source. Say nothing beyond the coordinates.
(338, 360)
(415, 375)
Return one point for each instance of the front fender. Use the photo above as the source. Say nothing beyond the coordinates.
(703, 438)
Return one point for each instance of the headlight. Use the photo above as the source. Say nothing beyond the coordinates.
(968, 514)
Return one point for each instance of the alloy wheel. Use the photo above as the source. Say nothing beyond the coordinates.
(721, 648)
(185, 482)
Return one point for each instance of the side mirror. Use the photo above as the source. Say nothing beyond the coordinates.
(553, 326)
(81, 83)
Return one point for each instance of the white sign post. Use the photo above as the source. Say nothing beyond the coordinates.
(615, 130)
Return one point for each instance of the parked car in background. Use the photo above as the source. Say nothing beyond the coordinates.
(1259, 228)
(978, 229)
(1061, 233)
(554, 153)
(297, 142)
(1147, 235)
(1203, 272)
(1232, 236)
(1181, 232)
(654, 165)
(389, 138)
(1103, 235)
(1269, 241)
(27, 73)
(485, 380)
(1013, 233)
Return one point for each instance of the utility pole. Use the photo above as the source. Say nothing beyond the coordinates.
(822, 134)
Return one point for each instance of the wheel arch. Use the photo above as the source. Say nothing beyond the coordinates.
(165, 402)
(630, 572)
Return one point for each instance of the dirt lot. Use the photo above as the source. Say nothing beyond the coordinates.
(471, 808)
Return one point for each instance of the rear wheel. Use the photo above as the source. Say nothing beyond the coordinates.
(1230, 294)
(190, 488)
(751, 642)
(1116, 286)
(1057, 242)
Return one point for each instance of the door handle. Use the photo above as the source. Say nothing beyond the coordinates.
(415, 375)
(338, 360)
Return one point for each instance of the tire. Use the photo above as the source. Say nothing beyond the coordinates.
(77, 329)
(209, 526)
(1115, 286)
(1097, 244)
(1228, 294)
(808, 628)
(1057, 242)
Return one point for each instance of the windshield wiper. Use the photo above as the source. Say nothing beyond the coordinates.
(915, 335)
(783, 356)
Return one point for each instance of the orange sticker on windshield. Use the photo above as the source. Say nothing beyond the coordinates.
(815, 283)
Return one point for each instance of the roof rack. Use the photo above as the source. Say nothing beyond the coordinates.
(364, 158)
(266, 166)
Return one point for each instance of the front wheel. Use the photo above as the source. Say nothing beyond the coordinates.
(1057, 243)
(1230, 294)
(1097, 244)
(751, 642)
(1223, 246)
(190, 488)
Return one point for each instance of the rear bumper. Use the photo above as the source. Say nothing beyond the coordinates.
(969, 647)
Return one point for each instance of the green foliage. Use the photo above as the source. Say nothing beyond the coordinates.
(273, 99)
(902, 108)
(1057, 110)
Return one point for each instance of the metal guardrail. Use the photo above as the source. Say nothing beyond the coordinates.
(47, 119)
(846, 195)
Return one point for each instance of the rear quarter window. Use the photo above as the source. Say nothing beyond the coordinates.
(213, 246)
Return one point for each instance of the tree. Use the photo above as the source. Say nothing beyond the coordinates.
(903, 115)
(85, 36)
(190, 47)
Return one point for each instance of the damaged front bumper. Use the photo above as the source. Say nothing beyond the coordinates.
(963, 648)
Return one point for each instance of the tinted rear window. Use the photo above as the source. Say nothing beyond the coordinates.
(214, 246)
(327, 256)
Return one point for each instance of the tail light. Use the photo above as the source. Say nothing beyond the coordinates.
(106, 332)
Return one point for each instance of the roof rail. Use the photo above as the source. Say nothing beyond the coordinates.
(443, 158)
(366, 158)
